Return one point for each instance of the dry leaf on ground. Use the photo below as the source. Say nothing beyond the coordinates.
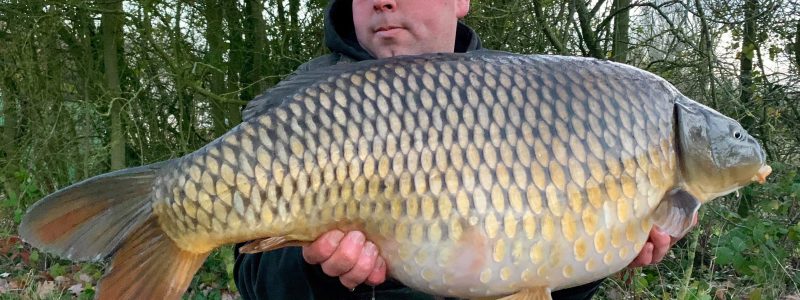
(76, 289)
(45, 288)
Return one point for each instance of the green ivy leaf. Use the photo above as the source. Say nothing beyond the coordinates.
(742, 264)
(725, 255)
(796, 189)
(18, 212)
(794, 234)
(34, 256)
(87, 294)
(755, 294)
(759, 233)
(57, 270)
(774, 205)
(738, 244)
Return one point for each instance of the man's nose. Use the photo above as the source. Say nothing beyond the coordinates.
(384, 5)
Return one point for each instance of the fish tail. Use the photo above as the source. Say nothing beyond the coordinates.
(111, 215)
(149, 265)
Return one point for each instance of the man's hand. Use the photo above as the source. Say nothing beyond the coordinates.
(349, 257)
(656, 247)
(654, 250)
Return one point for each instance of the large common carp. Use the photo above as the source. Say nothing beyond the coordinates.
(476, 175)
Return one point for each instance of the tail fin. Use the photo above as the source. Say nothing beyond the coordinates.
(149, 266)
(111, 215)
(90, 219)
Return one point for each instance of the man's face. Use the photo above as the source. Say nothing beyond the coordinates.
(388, 28)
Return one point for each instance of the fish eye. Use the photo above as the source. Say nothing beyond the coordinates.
(738, 135)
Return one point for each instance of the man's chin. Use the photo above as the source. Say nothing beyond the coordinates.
(386, 50)
(391, 52)
(399, 51)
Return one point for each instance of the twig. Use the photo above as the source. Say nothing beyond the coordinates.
(687, 274)
(657, 7)
(537, 8)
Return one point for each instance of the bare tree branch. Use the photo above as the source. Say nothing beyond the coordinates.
(537, 8)
(589, 36)
(657, 7)
(797, 45)
(596, 8)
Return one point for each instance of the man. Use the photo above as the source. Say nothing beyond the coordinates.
(343, 265)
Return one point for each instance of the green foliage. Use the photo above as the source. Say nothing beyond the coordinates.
(753, 256)
(762, 248)
(179, 91)
(15, 204)
(216, 275)
(754, 249)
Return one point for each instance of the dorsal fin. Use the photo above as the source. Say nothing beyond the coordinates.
(286, 89)
(282, 92)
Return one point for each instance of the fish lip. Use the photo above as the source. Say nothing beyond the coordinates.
(763, 172)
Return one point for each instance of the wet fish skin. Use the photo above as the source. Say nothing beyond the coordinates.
(434, 164)
(476, 175)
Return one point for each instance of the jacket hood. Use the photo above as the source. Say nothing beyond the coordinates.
(340, 35)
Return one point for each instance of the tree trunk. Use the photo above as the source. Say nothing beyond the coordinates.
(763, 131)
(255, 34)
(184, 101)
(294, 13)
(797, 45)
(233, 18)
(548, 32)
(8, 145)
(91, 73)
(589, 36)
(619, 48)
(216, 48)
(294, 25)
(746, 81)
(111, 24)
(746, 60)
(706, 47)
(281, 9)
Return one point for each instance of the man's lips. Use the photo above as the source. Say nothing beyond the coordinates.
(386, 28)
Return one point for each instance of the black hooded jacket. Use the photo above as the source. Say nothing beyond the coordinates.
(340, 38)
(283, 274)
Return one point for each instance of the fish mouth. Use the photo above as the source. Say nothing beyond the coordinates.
(763, 172)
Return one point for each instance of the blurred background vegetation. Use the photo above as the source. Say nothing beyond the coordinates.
(91, 86)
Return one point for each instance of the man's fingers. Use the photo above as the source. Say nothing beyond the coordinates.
(378, 274)
(661, 243)
(363, 267)
(645, 256)
(323, 247)
(346, 255)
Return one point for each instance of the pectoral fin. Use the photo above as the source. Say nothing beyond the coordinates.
(538, 293)
(270, 243)
(675, 214)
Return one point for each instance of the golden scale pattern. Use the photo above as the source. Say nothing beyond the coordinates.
(473, 176)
